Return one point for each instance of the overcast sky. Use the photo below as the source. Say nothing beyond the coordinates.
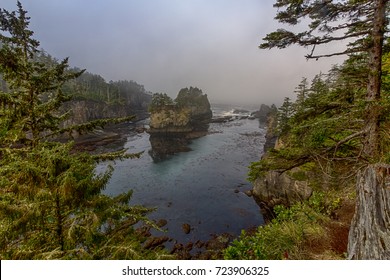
(166, 45)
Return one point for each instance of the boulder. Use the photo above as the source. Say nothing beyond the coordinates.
(186, 228)
(276, 188)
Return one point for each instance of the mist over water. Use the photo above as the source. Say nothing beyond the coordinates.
(203, 187)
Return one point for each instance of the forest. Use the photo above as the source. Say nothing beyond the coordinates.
(334, 135)
(89, 86)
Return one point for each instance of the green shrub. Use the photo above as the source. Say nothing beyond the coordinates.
(286, 235)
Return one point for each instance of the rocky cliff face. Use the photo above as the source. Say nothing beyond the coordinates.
(171, 119)
(276, 188)
(82, 111)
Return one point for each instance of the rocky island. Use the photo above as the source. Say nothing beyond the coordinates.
(173, 123)
(190, 111)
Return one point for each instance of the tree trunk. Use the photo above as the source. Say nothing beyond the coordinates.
(369, 236)
(373, 96)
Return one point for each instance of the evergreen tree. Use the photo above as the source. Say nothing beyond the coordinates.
(363, 26)
(159, 101)
(285, 112)
(51, 205)
(301, 92)
(362, 23)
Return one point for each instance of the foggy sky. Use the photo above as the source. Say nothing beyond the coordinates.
(166, 45)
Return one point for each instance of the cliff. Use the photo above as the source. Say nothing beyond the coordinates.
(171, 119)
(190, 111)
(82, 111)
(198, 104)
(274, 187)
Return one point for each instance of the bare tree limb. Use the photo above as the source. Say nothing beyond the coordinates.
(349, 51)
(349, 138)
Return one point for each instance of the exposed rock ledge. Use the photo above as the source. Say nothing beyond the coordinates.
(276, 188)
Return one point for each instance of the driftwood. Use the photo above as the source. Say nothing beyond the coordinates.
(369, 235)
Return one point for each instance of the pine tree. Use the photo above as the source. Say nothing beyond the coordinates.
(51, 201)
(301, 92)
(285, 112)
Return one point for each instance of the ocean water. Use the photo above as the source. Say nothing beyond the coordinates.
(203, 187)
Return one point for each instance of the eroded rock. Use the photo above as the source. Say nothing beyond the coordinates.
(276, 188)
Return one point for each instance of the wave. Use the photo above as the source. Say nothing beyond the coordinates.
(230, 111)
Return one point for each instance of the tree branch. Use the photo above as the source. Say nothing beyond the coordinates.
(348, 51)
(326, 40)
(345, 140)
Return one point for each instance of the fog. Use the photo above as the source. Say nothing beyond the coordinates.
(170, 44)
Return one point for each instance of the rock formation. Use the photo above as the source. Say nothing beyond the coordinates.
(170, 119)
(276, 188)
(263, 113)
(82, 111)
(173, 123)
(188, 112)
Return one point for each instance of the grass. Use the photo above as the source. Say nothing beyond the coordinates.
(314, 229)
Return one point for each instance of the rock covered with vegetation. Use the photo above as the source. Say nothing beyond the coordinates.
(188, 112)
(93, 98)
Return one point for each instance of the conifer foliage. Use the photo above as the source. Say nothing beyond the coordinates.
(51, 201)
(359, 25)
(344, 118)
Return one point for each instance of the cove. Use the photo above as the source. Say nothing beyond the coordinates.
(203, 187)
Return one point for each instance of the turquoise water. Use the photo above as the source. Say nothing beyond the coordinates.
(198, 187)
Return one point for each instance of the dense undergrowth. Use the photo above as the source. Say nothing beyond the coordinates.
(312, 229)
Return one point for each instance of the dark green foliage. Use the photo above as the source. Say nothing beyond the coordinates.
(340, 124)
(283, 115)
(192, 96)
(324, 126)
(88, 86)
(93, 87)
(362, 27)
(159, 101)
(286, 235)
(328, 21)
(51, 201)
(52, 207)
(29, 109)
